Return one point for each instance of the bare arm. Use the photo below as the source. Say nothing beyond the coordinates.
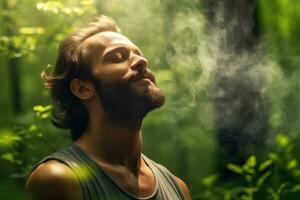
(184, 188)
(53, 180)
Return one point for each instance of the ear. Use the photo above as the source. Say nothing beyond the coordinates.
(82, 89)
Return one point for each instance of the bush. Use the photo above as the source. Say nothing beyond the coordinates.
(277, 177)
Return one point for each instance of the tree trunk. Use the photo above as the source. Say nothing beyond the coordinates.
(241, 124)
(13, 62)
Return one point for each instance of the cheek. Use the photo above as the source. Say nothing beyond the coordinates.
(112, 72)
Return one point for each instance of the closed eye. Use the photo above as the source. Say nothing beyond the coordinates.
(116, 56)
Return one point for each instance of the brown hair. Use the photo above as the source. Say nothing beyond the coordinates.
(73, 62)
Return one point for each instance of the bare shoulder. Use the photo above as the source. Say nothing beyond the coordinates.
(53, 180)
(184, 188)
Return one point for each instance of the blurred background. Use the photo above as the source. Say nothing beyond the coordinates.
(230, 125)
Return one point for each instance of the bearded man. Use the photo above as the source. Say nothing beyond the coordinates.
(102, 88)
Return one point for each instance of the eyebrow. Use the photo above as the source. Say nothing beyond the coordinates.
(131, 48)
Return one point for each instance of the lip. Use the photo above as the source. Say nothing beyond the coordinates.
(144, 81)
(148, 77)
(152, 78)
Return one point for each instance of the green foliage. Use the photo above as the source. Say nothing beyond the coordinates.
(277, 177)
(15, 143)
(42, 112)
(8, 138)
(171, 34)
(57, 7)
(23, 38)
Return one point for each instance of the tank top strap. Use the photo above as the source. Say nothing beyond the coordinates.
(167, 184)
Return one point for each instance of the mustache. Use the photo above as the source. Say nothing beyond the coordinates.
(142, 74)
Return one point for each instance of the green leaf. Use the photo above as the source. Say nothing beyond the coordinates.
(8, 156)
(26, 30)
(8, 138)
(209, 180)
(42, 111)
(52, 6)
(248, 178)
(45, 115)
(282, 140)
(262, 178)
(250, 190)
(281, 187)
(296, 173)
(273, 156)
(32, 128)
(18, 175)
(31, 30)
(4, 39)
(265, 165)
(248, 169)
(251, 161)
(40, 108)
(292, 164)
(235, 168)
(295, 188)
(16, 41)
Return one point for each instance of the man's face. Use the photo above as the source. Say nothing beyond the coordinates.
(122, 79)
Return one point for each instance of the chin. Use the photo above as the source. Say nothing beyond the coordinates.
(149, 93)
(157, 96)
(132, 102)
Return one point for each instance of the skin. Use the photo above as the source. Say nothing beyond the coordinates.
(114, 144)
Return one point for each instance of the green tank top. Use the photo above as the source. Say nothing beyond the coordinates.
(96, 184)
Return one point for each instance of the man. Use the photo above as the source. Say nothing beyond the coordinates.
(102, 89)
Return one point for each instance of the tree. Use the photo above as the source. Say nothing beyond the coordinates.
(13, 61)
(238, 81)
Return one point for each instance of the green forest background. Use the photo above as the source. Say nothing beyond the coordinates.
(230, 126)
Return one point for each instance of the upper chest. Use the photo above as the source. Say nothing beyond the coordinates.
(140, 185)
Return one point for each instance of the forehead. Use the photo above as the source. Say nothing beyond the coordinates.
(105, 40)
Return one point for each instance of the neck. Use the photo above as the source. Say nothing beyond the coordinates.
(113, 141)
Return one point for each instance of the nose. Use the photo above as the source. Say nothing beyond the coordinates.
(139, 63)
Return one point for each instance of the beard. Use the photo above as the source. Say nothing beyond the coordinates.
(128, 99)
